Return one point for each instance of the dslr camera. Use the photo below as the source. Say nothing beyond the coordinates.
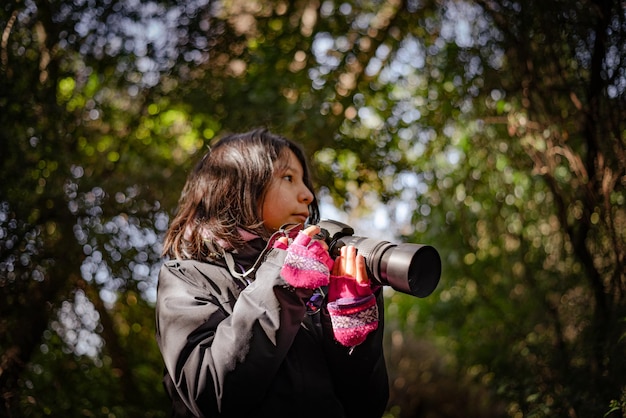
(413, 269)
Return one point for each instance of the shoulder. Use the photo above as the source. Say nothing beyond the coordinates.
(197, 274)
(189, 267)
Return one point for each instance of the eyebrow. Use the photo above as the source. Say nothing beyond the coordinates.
(290, 168)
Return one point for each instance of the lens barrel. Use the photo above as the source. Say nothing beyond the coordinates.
(414, 269)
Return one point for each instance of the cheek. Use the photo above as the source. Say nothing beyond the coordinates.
(271, 205)
(264, 208)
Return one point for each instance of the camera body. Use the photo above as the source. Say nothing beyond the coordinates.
(414, 269)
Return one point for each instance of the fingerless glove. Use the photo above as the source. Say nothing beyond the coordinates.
(307, 264)
(353, 310)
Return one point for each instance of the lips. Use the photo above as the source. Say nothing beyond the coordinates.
(302, 216)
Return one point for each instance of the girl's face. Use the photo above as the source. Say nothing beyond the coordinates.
(287, 198)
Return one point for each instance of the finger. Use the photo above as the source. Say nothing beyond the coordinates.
(312, 230)
(341, 260)
(361, 270)
(344, 260)
(350, 264)
(284, 240)
(338, 266)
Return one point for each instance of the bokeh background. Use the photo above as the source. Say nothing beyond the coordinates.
(494, 130)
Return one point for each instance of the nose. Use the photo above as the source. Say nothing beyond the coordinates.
(306, 195)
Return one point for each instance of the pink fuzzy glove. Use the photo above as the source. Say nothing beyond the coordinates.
(353, 310)
(307, 264)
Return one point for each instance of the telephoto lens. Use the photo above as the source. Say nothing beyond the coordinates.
(414, 269)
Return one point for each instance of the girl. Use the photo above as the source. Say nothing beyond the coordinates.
(254, 318)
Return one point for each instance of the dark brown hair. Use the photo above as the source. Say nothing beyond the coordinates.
(225, 191)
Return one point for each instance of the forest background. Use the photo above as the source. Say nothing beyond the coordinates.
(494, 130)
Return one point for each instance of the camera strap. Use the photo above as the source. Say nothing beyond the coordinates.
(287, 230)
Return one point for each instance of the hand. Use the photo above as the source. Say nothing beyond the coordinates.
(351, 303)
(307, 264)
(351, 264)
(310, 231)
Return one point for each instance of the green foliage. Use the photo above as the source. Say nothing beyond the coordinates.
(492, 130)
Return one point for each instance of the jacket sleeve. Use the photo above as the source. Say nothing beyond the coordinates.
(206, 332)
(359, 373)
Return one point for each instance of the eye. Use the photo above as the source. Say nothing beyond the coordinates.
(288, 177)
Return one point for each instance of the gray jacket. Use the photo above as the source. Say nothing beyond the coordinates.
(237, 350)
